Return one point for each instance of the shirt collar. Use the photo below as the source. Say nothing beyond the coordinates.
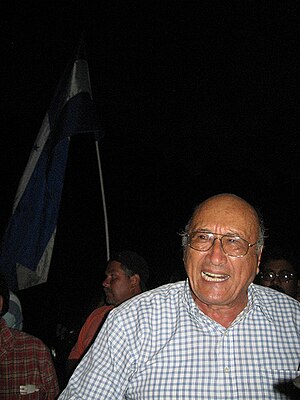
(255, 299)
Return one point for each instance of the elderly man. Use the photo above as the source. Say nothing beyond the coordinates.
(214, 336)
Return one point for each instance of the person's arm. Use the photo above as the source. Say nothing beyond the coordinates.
(48, 375)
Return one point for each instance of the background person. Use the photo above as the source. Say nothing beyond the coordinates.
(127, 274)
(26, 366)
(279, 271)
(14, 315)
(214, 335)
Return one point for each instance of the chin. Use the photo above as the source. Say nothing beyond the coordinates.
(109, 301)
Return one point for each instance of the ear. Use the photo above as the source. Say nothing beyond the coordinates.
(258, 261)
(135, 281)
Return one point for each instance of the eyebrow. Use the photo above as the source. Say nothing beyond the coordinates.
(224, 234)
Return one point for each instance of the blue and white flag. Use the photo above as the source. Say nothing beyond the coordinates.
(27, 245)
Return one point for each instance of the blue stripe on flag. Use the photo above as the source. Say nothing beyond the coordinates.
(32, 225)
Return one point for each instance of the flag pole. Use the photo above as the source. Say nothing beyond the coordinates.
(103, 200)
(81, 50)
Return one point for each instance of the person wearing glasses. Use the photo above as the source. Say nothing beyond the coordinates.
(278, 271)
(215, 335)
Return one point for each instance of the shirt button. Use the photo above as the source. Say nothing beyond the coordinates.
(226, 370)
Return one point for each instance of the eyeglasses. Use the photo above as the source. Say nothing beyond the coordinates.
(283, 276)
(232, 245)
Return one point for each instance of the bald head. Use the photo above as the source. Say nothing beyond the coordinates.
(229, 204)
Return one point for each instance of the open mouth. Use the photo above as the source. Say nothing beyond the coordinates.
(208, 276)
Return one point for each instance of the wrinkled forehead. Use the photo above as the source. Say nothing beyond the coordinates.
(228, 214)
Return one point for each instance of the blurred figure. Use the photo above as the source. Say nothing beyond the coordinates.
(278, 271)
(14, 315)
(127, 274)
(26, 366)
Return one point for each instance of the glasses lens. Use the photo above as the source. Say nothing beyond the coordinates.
(286, 276)
(268, 276)
(234, 246)
(201, 241)
(283, 276)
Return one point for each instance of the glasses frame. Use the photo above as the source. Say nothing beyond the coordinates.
(277, 275)
(219, 237)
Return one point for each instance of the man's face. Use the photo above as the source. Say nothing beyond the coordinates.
(118, 287)
(277, 267)
(216, 279)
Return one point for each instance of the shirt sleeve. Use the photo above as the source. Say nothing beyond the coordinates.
(104, 371)
(48, 376)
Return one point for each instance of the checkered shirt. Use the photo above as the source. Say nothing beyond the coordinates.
(24, 361)
(159, 345)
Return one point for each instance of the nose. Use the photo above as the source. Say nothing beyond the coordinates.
(277, 280)
(216, 253)
(106, 282)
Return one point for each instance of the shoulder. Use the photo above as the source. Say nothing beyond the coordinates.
(158, 302)
(147, 317)
(271, 295)
(27, 341)
(14, 317)
(14, 299)
(274, 302)
(168, 292)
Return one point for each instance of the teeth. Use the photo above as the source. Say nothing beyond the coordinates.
(214, 277)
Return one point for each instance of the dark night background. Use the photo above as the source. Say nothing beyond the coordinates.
(195, 98)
